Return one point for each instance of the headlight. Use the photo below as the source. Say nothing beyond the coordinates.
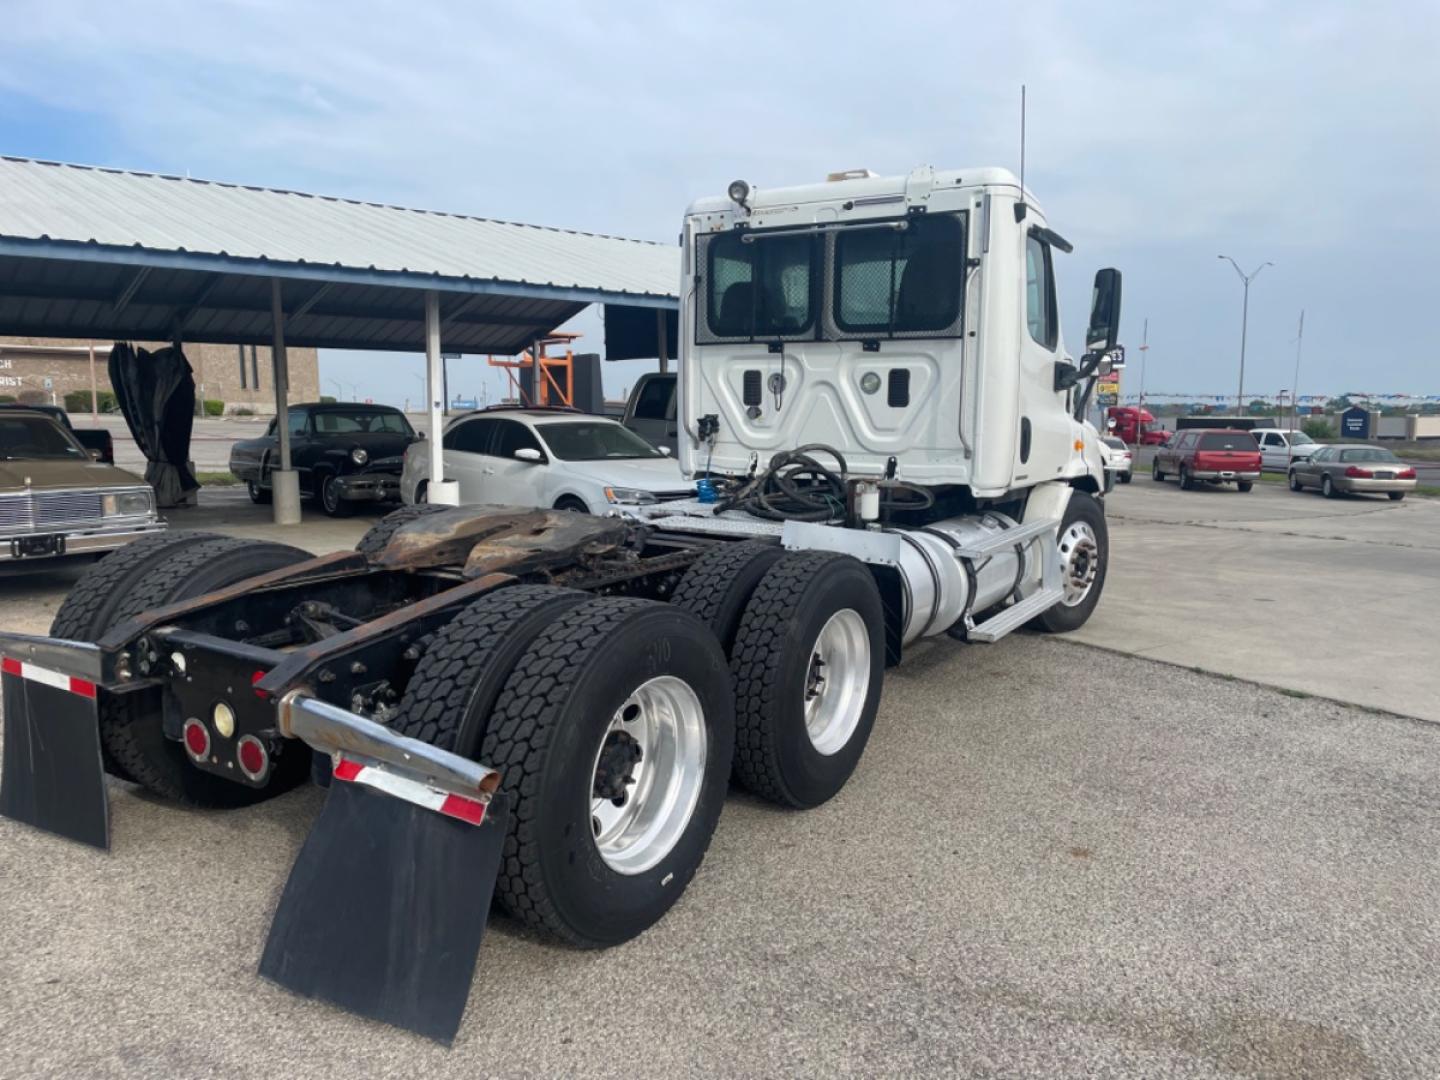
(359, 456)
(628, 495)
(125, 504)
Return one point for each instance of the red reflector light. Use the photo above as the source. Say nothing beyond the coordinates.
(253, 758)
(465, 809)
(255, 677)
(197, 738)
(83, 687)
(1405, 474)
(1359, 473)
(10, 666)
(346, 769)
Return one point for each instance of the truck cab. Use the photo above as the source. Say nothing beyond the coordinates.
(911, 322)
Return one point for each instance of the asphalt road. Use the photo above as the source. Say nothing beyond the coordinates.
(1337, 597)
(1030, 875)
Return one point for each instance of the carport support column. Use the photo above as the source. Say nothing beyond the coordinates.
(284, 481)
(438, 490)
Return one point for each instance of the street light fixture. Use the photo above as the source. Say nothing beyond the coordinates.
(1244, 321)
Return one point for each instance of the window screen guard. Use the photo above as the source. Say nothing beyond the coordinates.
(844, 284)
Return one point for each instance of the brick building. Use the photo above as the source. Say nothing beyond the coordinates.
(46, 369)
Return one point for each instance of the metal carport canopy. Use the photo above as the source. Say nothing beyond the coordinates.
(105, 253)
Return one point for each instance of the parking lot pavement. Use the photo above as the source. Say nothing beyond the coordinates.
(1336, 597)
(1025, 877)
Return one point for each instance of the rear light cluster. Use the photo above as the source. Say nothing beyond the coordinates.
(251, 754)
(1405, 474)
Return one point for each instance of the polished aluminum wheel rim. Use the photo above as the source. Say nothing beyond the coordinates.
(1079, 562)
(664, 724)
(836, 681)
(330, 493)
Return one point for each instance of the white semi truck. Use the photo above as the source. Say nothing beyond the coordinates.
(885, 433)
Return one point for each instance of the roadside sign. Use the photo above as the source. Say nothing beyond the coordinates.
(1107, 399)
(49, 384)
(1355, 423)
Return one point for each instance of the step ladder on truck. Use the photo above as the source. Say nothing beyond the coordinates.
(888, 442)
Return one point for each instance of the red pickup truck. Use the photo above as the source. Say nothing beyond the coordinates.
(1211, 455)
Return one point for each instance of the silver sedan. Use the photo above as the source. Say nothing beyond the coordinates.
(1353, 469)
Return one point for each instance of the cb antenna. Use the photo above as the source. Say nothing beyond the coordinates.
(1020, 207)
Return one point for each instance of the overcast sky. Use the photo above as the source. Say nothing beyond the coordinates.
(1160, 135)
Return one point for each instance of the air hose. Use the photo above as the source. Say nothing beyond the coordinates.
(797, 487)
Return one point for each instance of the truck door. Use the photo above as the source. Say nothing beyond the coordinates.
(651, 410)
(1042, 411)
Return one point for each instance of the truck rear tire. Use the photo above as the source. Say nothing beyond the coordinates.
(808, 664)
(718, 585)
(131, 728)
(90, 608)
(379, 534)
(613, 738)
(464, 668)
(1244, 485)
(1084, 539)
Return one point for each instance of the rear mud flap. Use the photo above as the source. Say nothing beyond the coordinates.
(52, 776)
(385, 908)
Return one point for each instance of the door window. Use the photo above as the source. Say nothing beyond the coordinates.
(512, 437)
(653, 401)
(1040, 313)
(299, 419)
(471, 437)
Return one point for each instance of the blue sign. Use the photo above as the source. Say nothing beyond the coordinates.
(1355, 423)
(464, 403)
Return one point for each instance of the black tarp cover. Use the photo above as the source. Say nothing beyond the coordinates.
(156, 392)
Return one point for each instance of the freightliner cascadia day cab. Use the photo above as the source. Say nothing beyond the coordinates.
(886, 439)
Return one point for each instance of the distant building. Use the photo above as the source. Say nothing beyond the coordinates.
(46, 369)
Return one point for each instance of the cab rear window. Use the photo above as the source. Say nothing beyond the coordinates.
(1241, 440)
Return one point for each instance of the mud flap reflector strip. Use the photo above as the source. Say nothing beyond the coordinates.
(412, 791)
(69, 683)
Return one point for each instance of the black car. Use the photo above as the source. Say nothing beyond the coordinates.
(343, 453)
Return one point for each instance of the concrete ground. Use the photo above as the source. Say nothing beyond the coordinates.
(1336, 597)
(1053, 861)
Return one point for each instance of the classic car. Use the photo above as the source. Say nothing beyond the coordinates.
(98, 441)
(56, 500)
(344, 454)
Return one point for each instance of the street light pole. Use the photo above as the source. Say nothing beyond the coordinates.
(1244, 322)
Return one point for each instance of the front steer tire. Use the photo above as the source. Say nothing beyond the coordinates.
(1082, 509)
(131, 728)
(559, 706)
(773, 665)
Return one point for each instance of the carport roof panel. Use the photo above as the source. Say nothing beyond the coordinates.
(123, 216)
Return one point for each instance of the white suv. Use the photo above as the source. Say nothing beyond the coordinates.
(1278, 448)
(547, 458)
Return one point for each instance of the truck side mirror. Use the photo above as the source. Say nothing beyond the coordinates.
(1104, 329)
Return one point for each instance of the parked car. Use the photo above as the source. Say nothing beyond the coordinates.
(1279, 447)
(1353, 469)
(1119, 461)
(55, 499)
(98, 441)
(650, 412)
(538, 457)
(1211, 456)
(344, 454)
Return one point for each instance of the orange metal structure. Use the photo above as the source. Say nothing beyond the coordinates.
(553, 374)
